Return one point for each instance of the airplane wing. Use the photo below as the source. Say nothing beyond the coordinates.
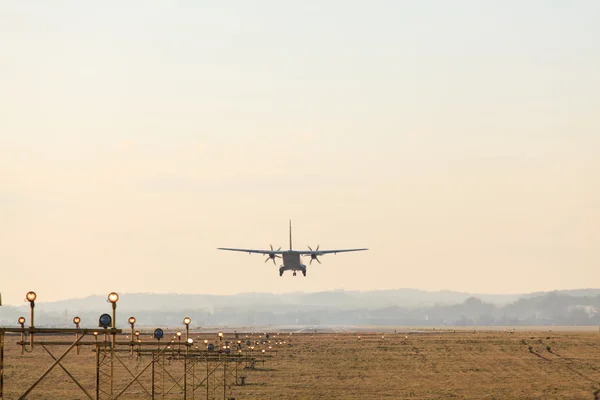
(322, 252)
(250, 251)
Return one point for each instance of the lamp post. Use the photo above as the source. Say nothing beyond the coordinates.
(178, 342)
(138, 341)
(31, 296)
(113, 298)
(76, 321)
(132, 323)
(187, 321)
(21, 321)
(188, 342)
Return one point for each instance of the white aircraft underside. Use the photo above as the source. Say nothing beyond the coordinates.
(291, 258)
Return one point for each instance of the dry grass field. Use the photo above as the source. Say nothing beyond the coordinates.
(428, 365)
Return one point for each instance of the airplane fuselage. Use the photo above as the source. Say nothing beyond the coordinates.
(292, 262)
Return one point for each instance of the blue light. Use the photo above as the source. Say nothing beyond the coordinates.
(105, 320)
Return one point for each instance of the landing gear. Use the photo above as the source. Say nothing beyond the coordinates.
(304, 273)
(280, 273)
(294, 273)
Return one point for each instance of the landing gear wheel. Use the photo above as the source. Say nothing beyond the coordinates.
(280, 273)
(294, 273)
(304, 273)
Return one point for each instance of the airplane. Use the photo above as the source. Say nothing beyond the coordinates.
(291, 258)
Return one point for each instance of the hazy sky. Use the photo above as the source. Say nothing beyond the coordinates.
(458, 140)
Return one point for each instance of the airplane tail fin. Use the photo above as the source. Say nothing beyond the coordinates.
(290, 234)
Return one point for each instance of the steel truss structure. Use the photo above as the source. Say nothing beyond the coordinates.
(137, 369)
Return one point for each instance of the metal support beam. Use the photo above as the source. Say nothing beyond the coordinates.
(24, 395)
(1, 365)
(69, 374)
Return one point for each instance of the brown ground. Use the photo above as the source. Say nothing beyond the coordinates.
(430, 365)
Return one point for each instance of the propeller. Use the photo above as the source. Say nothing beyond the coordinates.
(313, 256)
(273, 256)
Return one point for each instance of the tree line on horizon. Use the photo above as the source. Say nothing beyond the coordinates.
(551, 308)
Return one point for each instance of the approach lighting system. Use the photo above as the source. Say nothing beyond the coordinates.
(31, 296)
(158, 333)
(187, 321)
(113, 297)
(105, 321)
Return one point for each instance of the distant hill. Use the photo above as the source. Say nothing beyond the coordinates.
(339, 299)
(384, 307)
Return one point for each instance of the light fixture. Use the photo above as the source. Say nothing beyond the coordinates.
(132, 320)
(113, 297)
(21, 321)
(190, 340)
(178, 334)
(137, 333)
(158, 333)
(220, 334)
(76, 320)
(187, 321)
(104, 321)
(31, 296)
(205, 341)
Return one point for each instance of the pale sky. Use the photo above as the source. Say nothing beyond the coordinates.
(458, 140)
